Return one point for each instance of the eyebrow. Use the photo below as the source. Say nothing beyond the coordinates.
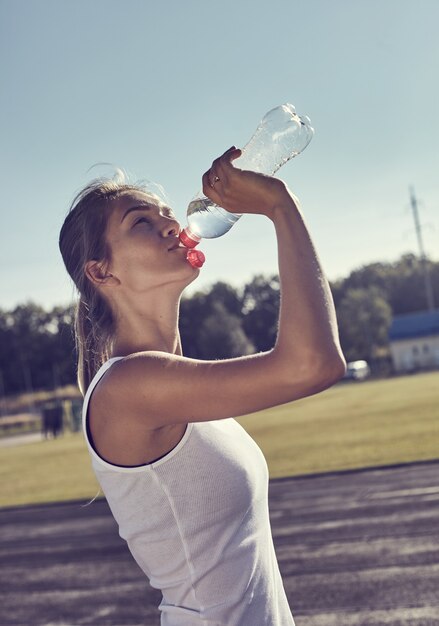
(139, 207)
(146, 207)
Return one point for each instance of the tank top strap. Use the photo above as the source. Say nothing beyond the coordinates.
(96, 378)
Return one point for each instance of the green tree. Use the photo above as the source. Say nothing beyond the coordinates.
(260, 307)
(407, 293)
(401, 283)
(221, 335)
(229, 297)
(37, 348)
(206, 319)
(364, 317)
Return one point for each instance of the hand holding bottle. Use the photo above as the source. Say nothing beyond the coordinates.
(242, 191)
(280, 136)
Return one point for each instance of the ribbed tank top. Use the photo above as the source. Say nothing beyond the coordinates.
(197, 523)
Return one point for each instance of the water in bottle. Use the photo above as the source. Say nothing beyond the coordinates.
(280, 136)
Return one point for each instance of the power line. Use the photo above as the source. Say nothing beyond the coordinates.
(423, 256)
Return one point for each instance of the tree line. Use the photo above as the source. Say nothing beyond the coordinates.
(37, 348)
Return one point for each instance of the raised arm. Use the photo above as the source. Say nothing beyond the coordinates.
(162, 389)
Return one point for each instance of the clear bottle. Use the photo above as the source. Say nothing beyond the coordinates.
(280, 136)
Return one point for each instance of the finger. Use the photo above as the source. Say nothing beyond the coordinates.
(218, 172)
(210, 190)
(213, 177)
(229, 155)
(224, 166)
(235, 153)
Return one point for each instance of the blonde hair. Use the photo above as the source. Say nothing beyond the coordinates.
(82, 238)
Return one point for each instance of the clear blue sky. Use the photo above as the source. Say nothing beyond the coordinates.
(161, 88)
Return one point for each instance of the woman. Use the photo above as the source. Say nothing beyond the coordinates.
(184, 481)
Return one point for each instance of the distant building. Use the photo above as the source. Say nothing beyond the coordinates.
(414, 341)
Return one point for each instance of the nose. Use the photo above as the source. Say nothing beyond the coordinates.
(170, 227)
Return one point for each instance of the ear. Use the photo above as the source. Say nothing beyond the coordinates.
(96, 272)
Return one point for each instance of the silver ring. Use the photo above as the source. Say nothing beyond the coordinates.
(215, 180)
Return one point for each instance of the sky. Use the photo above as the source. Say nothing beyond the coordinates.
(162, 88)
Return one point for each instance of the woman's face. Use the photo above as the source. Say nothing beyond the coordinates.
(142, 234)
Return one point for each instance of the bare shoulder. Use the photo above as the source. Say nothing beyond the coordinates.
(160, 389)
(131, 380)
(122, 440)
(139, 387)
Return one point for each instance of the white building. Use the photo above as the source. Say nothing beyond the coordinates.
(414, 341)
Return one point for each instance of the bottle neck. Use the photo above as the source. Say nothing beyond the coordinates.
(188, 238)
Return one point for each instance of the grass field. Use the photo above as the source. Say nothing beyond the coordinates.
(351, 425)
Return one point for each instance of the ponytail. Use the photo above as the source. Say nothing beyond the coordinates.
(94, 327)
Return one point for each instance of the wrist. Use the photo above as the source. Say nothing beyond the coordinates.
(287, 205)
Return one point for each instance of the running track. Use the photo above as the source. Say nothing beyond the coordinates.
(354, 548)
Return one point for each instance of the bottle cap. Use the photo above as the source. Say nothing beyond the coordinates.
(188, 238)
(196, 258)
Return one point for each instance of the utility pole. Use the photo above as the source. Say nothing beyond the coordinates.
(424, 261)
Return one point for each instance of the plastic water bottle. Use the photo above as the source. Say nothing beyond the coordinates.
(280, 136)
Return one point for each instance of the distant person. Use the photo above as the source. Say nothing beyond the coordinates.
(52, 423)
(185, 482)
(76, 412)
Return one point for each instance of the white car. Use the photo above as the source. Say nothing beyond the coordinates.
(357, 370)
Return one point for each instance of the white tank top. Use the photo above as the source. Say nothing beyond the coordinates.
(196, 521)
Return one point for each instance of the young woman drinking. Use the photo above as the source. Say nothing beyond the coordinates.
(186, 484)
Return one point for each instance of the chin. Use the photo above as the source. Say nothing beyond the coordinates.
(194, 274)
(188, 278)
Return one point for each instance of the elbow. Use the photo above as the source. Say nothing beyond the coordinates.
(322, 372)
(313, 373)
(329, 371)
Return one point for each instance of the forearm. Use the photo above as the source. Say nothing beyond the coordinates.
(307, 330)
(307, 346)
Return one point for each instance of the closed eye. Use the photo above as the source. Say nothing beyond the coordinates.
(141, 220)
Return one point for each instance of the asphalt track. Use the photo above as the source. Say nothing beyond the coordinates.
(354, 548)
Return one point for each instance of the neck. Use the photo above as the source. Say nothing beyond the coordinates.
(149, 324)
